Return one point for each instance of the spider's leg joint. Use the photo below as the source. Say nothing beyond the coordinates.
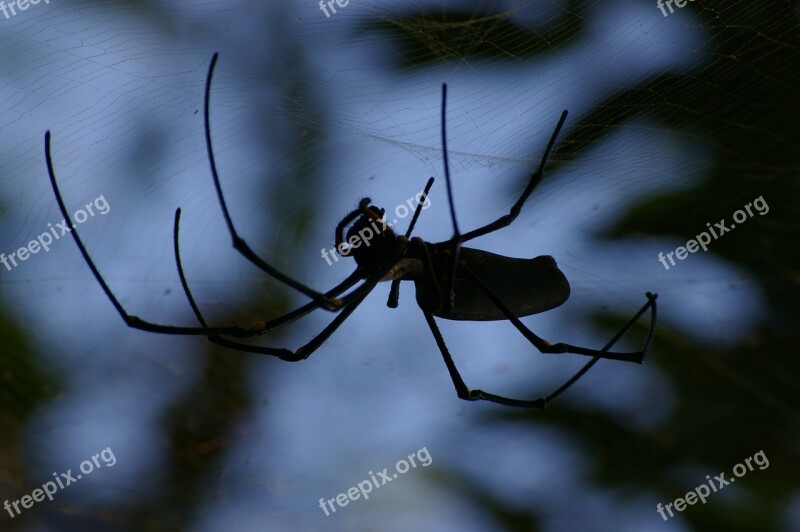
(472, 395)
(258, 327)
(330, 304)
(556, 348)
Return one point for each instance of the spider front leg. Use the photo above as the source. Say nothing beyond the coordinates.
(350, 303)
(239, 243)
(138, 323)
(130, 320)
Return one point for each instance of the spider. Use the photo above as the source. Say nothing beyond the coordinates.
(452, 282)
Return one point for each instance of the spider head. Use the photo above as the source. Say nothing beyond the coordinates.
(369, 239)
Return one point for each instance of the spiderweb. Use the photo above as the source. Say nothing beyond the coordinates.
(675, 122)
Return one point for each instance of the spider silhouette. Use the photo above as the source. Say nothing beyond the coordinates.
(452, 282)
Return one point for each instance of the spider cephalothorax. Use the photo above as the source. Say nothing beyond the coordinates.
(369, 240)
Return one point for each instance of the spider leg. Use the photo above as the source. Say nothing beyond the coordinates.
(457, 237)
(238, 242)
(350, 303)
(138, 323)
(580, 373)
(462, 390)
(130, 320)
(259, 327)
(394, 292)
(268, 325)
(465, 393)
(285, 354)
(536, 178)
(427, 264)
(546, 347)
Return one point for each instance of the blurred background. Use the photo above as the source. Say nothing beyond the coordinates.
(675, 122)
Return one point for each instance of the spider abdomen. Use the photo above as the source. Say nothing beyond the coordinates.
(508, 277)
